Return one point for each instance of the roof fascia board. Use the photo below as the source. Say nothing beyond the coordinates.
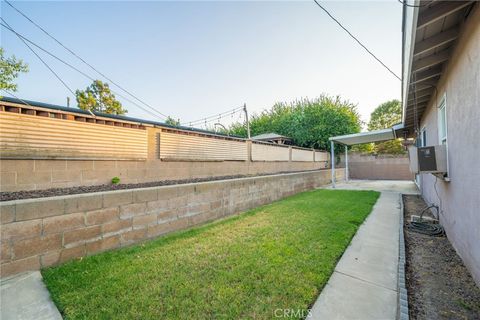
(409, 33)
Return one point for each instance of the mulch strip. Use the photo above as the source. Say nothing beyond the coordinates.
(439, 285)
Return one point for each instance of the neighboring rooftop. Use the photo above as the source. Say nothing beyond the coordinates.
(273, 137)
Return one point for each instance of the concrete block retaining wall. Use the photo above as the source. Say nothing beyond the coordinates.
(37, 233)
(28, 174)
(381, 167)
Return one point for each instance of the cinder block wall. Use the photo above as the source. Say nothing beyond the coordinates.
(381, 167)
(37, 233)
(16, 175)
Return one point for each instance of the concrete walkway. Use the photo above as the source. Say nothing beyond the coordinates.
(364, 283)
(24, 296)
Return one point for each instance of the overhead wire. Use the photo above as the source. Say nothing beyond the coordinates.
(16, 97)
(84, 61)
(221, 114)
(25, 39)
(357, 40)
(202, 120)
(43, 61)
(214, 117)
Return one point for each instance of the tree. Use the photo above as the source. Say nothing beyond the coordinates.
(10, 68)
(98, 97)
(172, 122)
(386, 116)
(308, 122)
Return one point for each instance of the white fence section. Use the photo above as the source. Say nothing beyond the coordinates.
(321, 156)
(269, 152)
(186, 145)
(302, 154)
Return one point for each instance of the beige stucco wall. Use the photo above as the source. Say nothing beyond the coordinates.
(460, 198)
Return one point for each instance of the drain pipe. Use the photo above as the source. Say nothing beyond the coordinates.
(332, 154)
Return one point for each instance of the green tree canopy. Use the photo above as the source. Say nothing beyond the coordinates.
(309, 122)
(386, 116)
(99, 97)
(171, 121)
(10, 68)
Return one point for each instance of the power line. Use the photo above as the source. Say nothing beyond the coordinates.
(85, 62)
(43, 61)
(13, 95)
(214, 117)
(356, 39)
(23, 38)
(206, 121)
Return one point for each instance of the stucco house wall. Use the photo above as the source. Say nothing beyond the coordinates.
(459, 199)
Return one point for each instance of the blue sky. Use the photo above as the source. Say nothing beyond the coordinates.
(195, 59)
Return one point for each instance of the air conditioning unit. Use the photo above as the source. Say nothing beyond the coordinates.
(432, 159)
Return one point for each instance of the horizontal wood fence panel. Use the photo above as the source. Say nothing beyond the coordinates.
(191, 146)
(269, 152)
(302, 155)
(32, 137)
(321, 156)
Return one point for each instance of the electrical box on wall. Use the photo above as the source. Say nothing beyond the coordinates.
(432, 159)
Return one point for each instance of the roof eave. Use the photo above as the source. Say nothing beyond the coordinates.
(410, 19)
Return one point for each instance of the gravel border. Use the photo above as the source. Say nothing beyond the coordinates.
(402, 306)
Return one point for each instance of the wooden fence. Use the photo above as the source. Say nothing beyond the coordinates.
(36, 132)
(43, 137)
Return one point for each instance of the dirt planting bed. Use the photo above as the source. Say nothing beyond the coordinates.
(439, 285)
(17, 195)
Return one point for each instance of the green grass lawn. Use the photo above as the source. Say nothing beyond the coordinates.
(275, 256)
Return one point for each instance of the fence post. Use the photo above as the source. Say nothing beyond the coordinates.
(249, 150)
(346, 163)
(332, 153)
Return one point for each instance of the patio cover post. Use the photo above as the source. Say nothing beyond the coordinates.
(346, 163)
(332, 153)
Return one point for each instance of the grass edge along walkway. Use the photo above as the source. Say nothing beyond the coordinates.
(277, 256)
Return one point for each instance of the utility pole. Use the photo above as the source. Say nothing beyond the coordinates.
(68, 102)
(246, 119)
